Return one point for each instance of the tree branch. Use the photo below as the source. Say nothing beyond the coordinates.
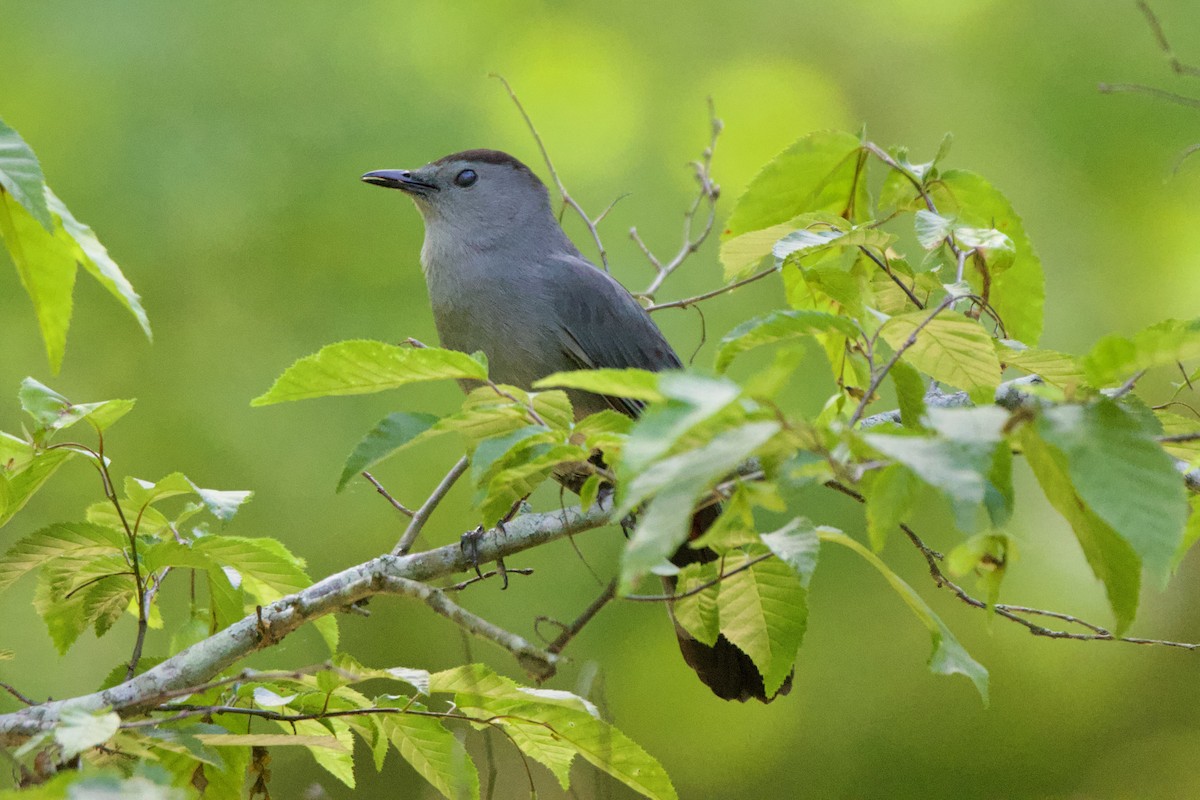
(422, 514)
(382, 575)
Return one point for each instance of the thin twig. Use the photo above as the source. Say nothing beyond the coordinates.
(562, 189)
(1160, 36)
(569, 632)
(708, 194)
(1013, 613)
(422, 514)
(877, 378)
(690, 301)
(457, 587)
(13, 691)
(1139, 88)
(895, 278)
(396, 504)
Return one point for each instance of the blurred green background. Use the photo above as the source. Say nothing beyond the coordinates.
(216, 147)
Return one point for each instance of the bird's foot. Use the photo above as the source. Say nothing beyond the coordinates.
(468, 544)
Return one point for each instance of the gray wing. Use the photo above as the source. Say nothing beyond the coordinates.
(602, 326)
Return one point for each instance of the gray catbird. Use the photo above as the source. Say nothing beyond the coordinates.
(504, 278)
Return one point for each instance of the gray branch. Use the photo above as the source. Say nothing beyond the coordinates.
(402, 575)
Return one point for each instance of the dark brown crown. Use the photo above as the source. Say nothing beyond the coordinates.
(487, 157)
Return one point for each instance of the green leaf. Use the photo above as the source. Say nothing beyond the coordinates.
(1111, 558)
(950, 348)
(932, 229)
(1057, 369)
(78, 540)
(542, 729)
(948, 656)
(47, 271)
(910, 393)
(693, 400)
(589, 491)
(890, 498)
(222, 504)
(986, 555)
(677, 483)
(739, 253)
(763, 610)
(797, 545)
(819, 172)
(21, 176)
(638, 384)
(1115, 358)
(697, 613)
(22, 481)
(334, 753)
(778, 326)
(1123, 475)
(78, 730)
(45, 405)
(86, 249)
(1191, 534)
(391, 434)
(958, 462)
(1018, 293)
(822, 232)
(434, 752)
(362, 366)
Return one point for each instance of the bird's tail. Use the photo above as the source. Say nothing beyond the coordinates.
(722, 666)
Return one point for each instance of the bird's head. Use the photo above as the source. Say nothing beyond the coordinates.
(471, 193)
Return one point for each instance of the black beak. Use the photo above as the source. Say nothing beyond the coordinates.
(401, 179)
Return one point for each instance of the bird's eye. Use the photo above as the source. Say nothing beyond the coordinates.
(466, 178)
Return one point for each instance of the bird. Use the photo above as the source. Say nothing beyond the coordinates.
(504, 278)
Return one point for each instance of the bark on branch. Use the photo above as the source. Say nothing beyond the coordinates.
(387, 574)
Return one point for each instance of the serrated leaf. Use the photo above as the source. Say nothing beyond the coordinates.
(335, 753)
(434, 752)
(1115, 358)
(797, 545)
(638, 384)
(678, 483)
(392, 433)
(78, 730)
(1017, 293)
(20, 483)
(363, 366)
(1111, 558)
(832, 232)
(739, 253)
(763, 610)
(950, 348)
(1057, 369)
(21, 176)
(697, 612)
(932, 229)
(222, 504)
(910, 393)
(819, 172)
(543, 730)
(93, 257)
(778, 326)
(74, 539)
(1124, 477)
(948, 656)
(47, 271)
(693, 399)
(322, 740)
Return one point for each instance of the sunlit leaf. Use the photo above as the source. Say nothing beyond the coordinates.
(1116, 358)
(78, 730)
(362, 366)
(950, 348)
(778, 326)
(21, 176)
(763, 610)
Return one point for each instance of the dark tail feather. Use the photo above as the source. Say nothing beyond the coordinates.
(723, 666)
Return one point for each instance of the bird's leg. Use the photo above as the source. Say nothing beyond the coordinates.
(469, 545)
(469, 542)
